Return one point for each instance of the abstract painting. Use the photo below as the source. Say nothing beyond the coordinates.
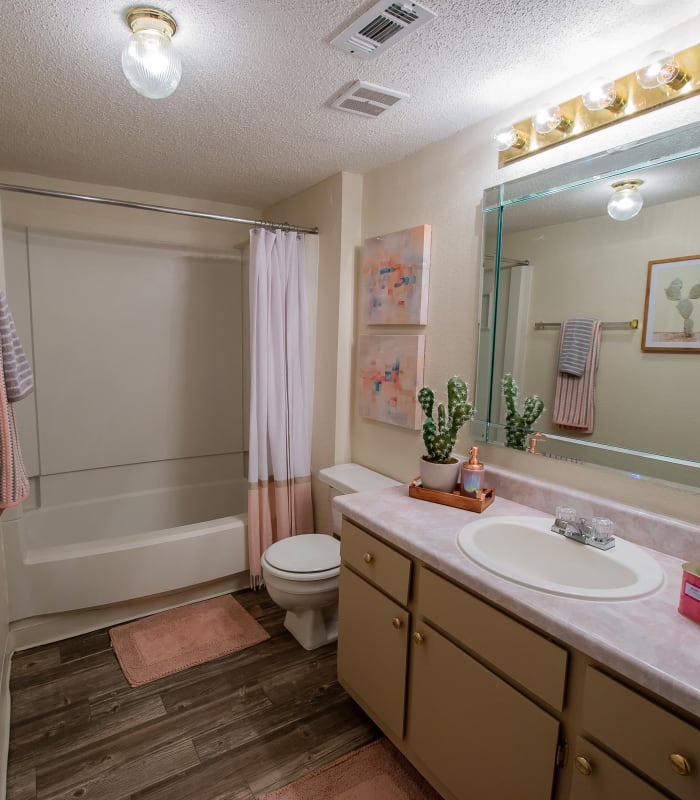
(395, 276)
(390, 373)
(671, 323)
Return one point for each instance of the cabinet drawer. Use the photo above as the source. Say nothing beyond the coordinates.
(607, 779)
(642, 732)
(376, 561)
(526, 656)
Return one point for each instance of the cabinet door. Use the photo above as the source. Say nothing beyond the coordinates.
(372, 650)
(599, 777)
(479, 736)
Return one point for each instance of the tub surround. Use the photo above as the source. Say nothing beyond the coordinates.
(645, 640)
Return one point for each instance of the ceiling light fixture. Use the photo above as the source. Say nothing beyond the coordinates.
(662, 69)
(626, 201)
(602, 94)
(149, 60)
(551, 118)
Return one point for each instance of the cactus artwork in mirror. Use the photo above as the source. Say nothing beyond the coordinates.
(439, 469)
(519, 423)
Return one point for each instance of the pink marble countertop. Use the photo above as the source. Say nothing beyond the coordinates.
(644, 639)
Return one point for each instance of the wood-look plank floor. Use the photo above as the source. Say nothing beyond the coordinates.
(230, 729)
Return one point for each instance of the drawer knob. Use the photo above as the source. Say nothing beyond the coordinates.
(583, 765)
(680, 764)
(396, 622)
(368, 558)
(418, 638)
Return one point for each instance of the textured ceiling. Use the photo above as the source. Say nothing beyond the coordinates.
(250, 123)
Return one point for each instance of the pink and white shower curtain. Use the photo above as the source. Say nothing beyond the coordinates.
(279, 447)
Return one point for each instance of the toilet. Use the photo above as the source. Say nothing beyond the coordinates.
(301, 572)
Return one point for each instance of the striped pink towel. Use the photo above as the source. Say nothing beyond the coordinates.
(14, 484)
(574, 396)
(16, 382)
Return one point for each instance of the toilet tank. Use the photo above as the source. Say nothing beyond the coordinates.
(350, 478)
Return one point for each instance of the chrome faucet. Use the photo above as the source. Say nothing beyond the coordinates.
(597, 532)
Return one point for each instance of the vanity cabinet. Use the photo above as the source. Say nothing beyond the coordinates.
(373, 626)
(642, 733)
(488, 707)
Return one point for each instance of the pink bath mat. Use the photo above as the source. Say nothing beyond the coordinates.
(174, 640)
(375, 772)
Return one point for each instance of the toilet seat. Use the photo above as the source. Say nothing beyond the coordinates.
(307, 557)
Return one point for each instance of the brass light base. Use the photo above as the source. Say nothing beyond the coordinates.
(134, 15)
(632, 100)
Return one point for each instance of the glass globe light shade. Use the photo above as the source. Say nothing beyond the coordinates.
(626, 201)
(602, 93)
(548, 119)
(659, 68)
(506, 138)
(149, 60)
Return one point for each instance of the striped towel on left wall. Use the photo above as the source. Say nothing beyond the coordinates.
(574, 395)
(14, 484)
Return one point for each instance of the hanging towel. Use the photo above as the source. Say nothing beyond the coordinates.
(19, 380)
(575, 345)
(16, 381)
(574, 396)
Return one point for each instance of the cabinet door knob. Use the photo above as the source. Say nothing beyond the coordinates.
(418, 638)
(396, 622)
(583, 765)
(680, 764)
(368, 558)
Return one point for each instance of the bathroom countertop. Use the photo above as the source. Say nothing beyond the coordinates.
(644, 639)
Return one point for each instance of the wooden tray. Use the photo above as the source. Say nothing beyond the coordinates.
(454, 498)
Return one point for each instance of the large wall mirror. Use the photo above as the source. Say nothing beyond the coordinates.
(552, 253)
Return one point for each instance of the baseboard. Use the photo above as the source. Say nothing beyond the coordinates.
(4, 716)
(35, 631)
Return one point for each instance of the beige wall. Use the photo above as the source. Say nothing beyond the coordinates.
(334, 206)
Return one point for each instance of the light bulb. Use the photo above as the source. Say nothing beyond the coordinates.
(626, 201)
(149, 60)
(550, 118)
(601, 94)
(661, 69)
(508, 137)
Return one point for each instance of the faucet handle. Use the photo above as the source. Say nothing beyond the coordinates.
(602, 529)
(566, 513)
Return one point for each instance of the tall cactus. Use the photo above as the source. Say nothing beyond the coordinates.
(519, 425)
(439, 436)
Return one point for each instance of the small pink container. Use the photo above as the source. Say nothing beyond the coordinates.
(689, 604)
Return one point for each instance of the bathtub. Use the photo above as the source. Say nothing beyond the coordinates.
(99, 552)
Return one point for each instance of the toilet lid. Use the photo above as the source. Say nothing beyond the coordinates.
(306, 552)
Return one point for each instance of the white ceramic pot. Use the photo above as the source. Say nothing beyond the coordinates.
(443, 477)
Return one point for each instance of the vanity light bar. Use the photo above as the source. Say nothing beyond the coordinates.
(579, 115)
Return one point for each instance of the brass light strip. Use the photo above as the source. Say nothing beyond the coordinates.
(638, 101)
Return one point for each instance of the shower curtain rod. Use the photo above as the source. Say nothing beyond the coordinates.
(284, 226)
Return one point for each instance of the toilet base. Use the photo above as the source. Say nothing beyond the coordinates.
(313, 627)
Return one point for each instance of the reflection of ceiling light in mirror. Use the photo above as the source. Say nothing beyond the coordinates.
(626, 201)
(149, 60)
(601, 94)
(508, 137)
(661, 69)
(550, 118)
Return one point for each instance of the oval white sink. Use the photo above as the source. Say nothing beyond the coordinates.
(525, 550)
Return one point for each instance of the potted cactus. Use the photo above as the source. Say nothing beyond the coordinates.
(519, 423)
(439, 469)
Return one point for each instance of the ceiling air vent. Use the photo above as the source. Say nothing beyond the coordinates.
(367, 99)
(380, 27)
